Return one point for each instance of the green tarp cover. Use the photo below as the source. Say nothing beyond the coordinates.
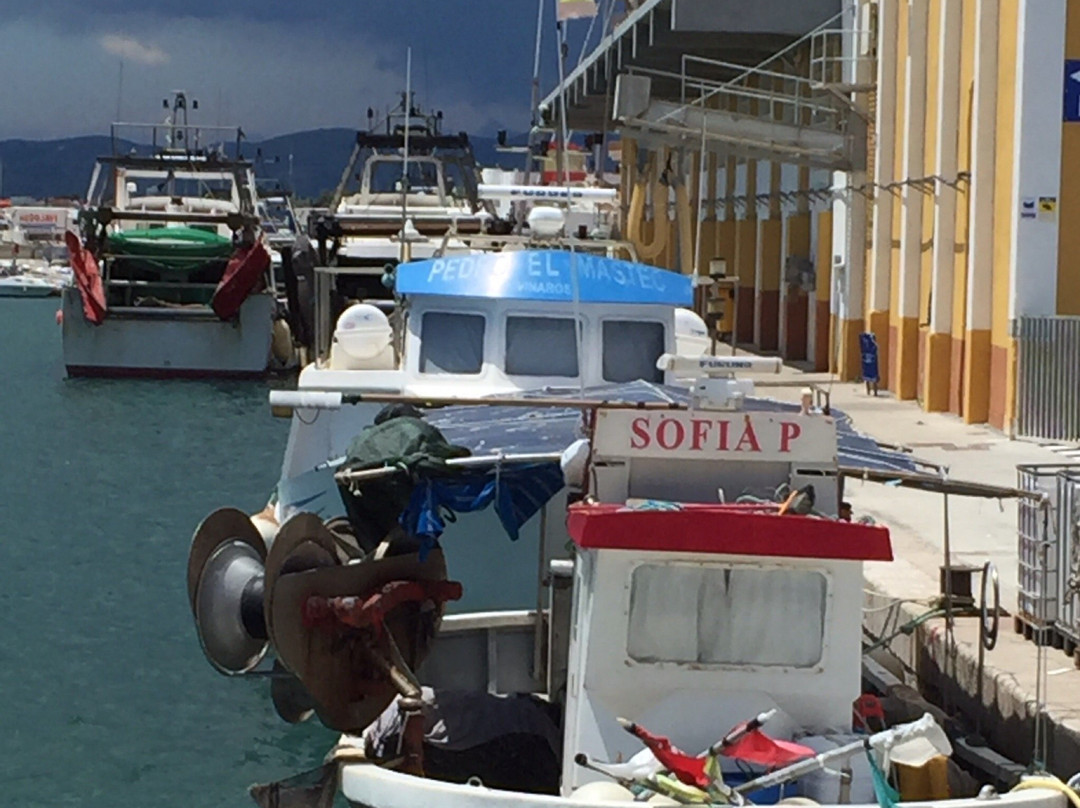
(175, 249)
(405, 441)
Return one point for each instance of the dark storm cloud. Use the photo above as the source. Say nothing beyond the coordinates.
(272, 66)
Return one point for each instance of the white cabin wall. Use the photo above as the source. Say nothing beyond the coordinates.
(670, 698)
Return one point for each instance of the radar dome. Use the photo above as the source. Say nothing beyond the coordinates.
(691, 334)
(546, 221)
(362, 336)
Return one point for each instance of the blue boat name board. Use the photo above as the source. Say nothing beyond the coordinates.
(545, 275)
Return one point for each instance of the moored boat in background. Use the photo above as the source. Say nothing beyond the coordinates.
(172, 277)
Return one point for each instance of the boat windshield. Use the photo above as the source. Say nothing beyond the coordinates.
(423, 176)
(276, 217)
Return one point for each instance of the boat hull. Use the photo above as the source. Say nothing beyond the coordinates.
(168, 343)
(371, 786)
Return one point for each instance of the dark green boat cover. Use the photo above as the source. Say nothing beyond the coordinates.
(173, 250)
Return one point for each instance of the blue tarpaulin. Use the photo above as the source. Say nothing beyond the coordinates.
(491, 429)
(516, 492)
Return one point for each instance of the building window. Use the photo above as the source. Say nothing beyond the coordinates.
(631, 349)
(451, 343)
(541, 346)
(727, 615)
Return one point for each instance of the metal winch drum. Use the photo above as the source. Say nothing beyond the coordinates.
(347, 629)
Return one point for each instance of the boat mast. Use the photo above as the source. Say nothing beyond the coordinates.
(405, 160)
(535, 101)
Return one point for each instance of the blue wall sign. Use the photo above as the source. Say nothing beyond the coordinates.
(1071, 112)
(550, 275)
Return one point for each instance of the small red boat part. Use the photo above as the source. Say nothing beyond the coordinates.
(243, 273)
(88, 279)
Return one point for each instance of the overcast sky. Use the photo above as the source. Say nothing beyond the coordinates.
(272, 67)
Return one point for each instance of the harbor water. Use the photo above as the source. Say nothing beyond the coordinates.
(105, 697)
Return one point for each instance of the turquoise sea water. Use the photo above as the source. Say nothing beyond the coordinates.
(105, 698)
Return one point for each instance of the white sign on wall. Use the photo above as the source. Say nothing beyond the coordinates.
(713, 435)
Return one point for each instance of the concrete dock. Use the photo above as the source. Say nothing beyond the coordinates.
(980, 530)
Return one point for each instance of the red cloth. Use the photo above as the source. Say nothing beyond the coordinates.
(241, 276)
(689, 769)
(757, 747)
(88, 278)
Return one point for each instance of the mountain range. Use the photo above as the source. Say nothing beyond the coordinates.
(62, 168)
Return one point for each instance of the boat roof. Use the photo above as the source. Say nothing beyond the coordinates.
(545, 275)
(725, 529)
(525, 430)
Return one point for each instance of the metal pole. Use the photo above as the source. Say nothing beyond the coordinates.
(405, 161)
(564, 136)
(538, 636)
(602, 161)
(534, 104)
(734, 315)
(948, 582)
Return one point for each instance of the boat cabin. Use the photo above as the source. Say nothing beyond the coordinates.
(486, 324)
(695, 604)
(412, 180)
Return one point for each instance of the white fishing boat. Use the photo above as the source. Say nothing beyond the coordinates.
(685, 607)
(172, 279)
(538, 314)
(402, 191)
(27, 285)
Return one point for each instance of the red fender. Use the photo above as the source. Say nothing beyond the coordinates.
(245, 268)
(88, 278)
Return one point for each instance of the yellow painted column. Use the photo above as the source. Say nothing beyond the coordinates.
(891, 352)
(824, 340)
(911, 214)
(796, 301)
(965, 101)
(746, 251)
(976, 404)
(938, 350)
(767, 267)
(885, 165)
(1004, 159)
(930, 195)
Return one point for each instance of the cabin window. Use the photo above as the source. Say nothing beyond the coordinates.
(631, 349)
(451, 343)
(541, 346)
(727, 615)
